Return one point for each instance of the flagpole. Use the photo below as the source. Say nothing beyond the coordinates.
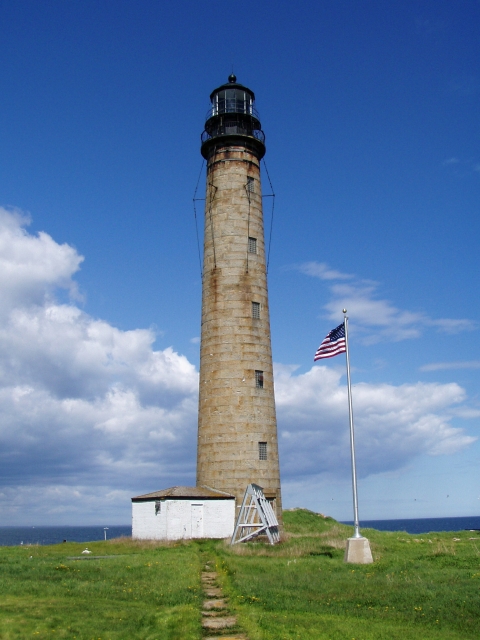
(356, 524)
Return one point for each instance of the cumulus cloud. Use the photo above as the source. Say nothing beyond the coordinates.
(64, 505)
(376, 317)
(393, 424)
(32, 267)
(82, 401)
(92, 415)
(443, 366)
(323, 271)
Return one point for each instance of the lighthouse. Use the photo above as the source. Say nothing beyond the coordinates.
(237, 428)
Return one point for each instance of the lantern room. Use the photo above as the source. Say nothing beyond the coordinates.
(232, 119)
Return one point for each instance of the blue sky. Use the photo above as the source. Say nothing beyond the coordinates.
(370, 112)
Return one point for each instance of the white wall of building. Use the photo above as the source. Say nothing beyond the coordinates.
(172, 519)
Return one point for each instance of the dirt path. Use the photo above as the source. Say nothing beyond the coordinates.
(217, 620)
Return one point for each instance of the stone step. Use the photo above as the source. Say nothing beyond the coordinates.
(237, 636)
(209, 575)
(215, 614)
(219, 623)
(219, 603)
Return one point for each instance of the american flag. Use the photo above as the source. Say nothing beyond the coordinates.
(333, 344)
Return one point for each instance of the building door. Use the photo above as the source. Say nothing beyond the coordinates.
(197, 520)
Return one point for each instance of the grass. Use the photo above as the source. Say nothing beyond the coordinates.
(419, 587)
(144, 591)
(423, 587)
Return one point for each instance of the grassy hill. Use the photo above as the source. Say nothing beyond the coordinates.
(420, 586)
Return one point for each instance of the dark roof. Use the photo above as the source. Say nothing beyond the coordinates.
(232, 84)
(184, 493)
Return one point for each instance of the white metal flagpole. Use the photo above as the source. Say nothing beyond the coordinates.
(356, 524)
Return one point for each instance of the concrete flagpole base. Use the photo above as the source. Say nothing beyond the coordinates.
(358, 551)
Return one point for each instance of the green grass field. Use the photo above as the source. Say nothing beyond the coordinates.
(420, 587)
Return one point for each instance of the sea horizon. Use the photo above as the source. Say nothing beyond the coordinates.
(422, 525)
(13, 535)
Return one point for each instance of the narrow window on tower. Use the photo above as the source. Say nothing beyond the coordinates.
(262, 450)
(259, 379)
(256, 310)
(251, 184)
(252, 245)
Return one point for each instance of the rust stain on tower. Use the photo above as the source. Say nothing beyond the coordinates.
(237, 429)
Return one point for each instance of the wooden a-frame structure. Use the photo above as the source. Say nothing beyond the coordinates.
(256, 517)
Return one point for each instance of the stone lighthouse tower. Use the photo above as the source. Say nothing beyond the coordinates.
(237, 429)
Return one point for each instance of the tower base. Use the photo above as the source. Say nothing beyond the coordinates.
(358, 551)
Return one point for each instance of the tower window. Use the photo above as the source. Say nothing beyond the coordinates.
(256, 310)
(259, 379)
(252, 245)
(251, 184)
(262, 450)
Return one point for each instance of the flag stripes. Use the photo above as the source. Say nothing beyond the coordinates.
(333, 344)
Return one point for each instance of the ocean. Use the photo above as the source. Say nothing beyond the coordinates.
(422, 525)
(13, 536)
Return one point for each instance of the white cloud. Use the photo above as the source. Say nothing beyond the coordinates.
(113, 439)
(323, 271)
(466, 165)
(451, 325)
(62, 349)
(393, 424)
(92, 415)
(450, 161)
(82, 401)
(466, 412)
(443, 366)
(32, 267)
(44, 504)
(376, 318)
(370, 312)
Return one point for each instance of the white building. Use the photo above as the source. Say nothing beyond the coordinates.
(183, 512)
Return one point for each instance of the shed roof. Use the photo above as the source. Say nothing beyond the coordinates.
(185, 493)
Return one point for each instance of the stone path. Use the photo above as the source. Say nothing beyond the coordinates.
(216, 617)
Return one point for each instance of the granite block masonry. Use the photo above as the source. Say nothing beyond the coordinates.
(237, 428)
